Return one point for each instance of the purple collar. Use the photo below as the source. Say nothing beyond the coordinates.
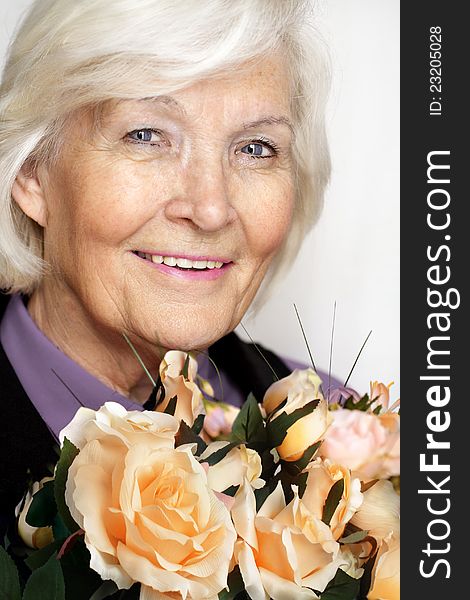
(56, 385)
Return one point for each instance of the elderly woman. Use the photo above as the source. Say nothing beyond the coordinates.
(160, 161)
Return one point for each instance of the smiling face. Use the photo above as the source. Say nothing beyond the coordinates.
(163, 214)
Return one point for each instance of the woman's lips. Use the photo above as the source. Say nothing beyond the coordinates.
(185, 266)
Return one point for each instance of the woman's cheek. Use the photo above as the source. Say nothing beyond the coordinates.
(270, 210)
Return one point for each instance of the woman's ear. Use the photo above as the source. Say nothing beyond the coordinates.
(28, 193)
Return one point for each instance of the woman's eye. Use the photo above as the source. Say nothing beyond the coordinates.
(259, 150)
(146, 136)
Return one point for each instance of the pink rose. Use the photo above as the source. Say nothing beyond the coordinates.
(219, 418)
(367, 444)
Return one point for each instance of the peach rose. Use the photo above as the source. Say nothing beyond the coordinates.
(238, 466)
(380, 515)
(322, 475)
(190, 398)
(147, 510)
(386, 572)
(380, 394)
(367, 444)
(133, 426)
(283, 551)
(300, 388)
(380, 511)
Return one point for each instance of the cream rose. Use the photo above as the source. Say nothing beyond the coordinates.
(380, 511)
(386, 572)
(284, 550)
(322, 475)
(113, 419)
(147, 510)
(367, 444)
(300, 388)
(238, 466)
(380, 515)
(33, 537)
(190, 399)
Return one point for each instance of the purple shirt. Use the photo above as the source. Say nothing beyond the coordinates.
(58, 386)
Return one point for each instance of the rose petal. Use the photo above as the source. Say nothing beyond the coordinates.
(282, 589)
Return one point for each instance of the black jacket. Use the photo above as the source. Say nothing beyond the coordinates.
(27, 447)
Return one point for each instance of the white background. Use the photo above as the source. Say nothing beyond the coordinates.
(352, 256)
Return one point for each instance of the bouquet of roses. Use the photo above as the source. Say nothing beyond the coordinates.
(288, 497)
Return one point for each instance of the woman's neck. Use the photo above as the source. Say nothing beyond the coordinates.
(103, 353)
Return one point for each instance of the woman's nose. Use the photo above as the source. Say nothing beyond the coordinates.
(204, 199)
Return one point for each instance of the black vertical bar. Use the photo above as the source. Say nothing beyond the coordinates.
(435, 237)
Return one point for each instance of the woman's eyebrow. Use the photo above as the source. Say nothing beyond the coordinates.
(269, 120)
(168, 100)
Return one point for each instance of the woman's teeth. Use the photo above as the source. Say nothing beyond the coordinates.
(182, 263)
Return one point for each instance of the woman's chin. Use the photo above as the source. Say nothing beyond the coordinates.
(198, 335)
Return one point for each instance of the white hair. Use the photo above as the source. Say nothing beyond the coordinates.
(71, 54)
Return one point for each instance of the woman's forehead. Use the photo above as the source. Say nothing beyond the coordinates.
(261, 92)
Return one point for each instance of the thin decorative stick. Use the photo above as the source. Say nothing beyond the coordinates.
(331, 349)
(141, 362)
(68, 388)
(307, 344)
(357, 358)
(262, 355)
(206, 354)
(305, 338)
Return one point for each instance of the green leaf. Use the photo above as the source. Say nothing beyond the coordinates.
(9, 579)
(217, 456)
(235, 585)
(80, 580)
(302, 483)
(46, 582)
(297, 466)
(198, 423)
(262, 493)
(59, 530)
(231, 491)
(249, 427)
(366, 579)
(354, 538)
(67, 456)
(363, 404)
(341, 587)
(185, 369)
(277, 428)
(40, 557)
(43, 508)
(332, 501)
(171, 406)
(132, 593)
(106, 589)
(377, 409)
(185, 435)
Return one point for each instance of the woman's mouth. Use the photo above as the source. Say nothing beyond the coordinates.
(194, 267)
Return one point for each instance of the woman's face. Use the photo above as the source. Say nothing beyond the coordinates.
(164, 214)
